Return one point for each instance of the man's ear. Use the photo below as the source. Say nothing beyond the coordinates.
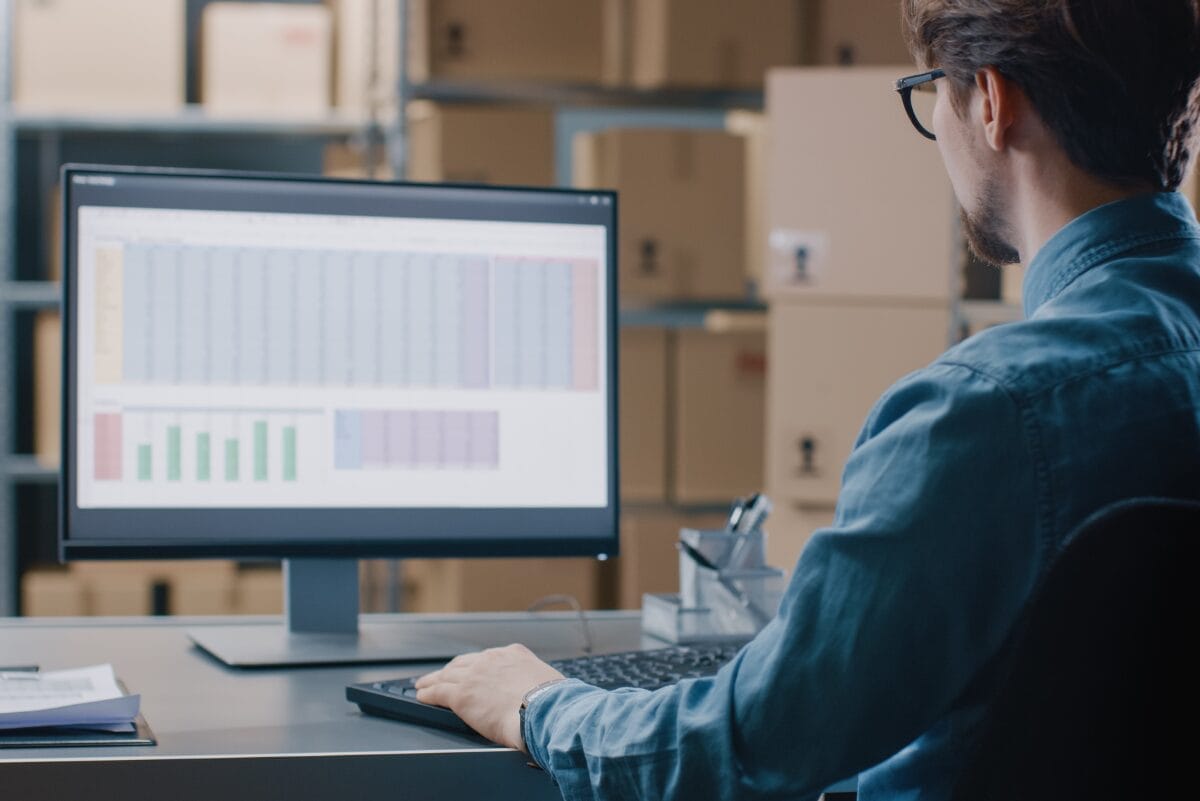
(999, 96)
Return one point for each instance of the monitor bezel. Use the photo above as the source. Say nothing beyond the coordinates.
(532, 532)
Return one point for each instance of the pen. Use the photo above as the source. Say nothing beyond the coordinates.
(748, 525)
(760, 618)
(19, 669)
(696, 556)
(735, 515)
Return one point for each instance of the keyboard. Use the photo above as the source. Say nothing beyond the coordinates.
(649, 670)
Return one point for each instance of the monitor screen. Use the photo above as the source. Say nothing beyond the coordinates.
(282, 366)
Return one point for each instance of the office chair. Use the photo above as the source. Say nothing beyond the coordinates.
(1100, 700)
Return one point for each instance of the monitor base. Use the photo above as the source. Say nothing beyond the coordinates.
(273, 645)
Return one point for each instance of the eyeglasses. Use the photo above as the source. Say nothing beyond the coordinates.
(922, 83)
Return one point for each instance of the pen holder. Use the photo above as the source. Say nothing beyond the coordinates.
(716, 545)
(714, 605)
(721, 615)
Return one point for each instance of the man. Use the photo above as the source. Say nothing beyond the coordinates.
(1065, 126)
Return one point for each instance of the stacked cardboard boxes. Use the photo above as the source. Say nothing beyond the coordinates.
(682, 209)
(862, 245)
(648, 44)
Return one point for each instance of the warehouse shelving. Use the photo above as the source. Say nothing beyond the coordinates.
(192, 126)
(187, 129)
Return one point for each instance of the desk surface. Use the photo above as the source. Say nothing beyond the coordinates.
(227, 733)
(276, 733)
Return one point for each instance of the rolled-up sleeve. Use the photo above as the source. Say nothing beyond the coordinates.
(887, 617)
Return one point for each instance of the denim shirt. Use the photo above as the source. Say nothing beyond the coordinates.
(966, 478)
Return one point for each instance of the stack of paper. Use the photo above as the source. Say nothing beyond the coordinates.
(84, 698)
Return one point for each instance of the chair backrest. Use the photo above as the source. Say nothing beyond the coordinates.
(1100, 700)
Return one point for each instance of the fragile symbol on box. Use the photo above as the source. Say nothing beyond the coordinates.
(798, 258)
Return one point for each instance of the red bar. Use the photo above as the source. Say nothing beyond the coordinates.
(108, 446)
(585, 353)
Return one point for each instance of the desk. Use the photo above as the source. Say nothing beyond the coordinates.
(227, 734)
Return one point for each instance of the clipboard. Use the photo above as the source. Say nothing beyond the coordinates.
(65, 736)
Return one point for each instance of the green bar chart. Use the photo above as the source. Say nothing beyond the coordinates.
(231, 460)
(174, 453)
(289, 453)
(203, 456)
(194, 455)
(260, 450)
(144, 463)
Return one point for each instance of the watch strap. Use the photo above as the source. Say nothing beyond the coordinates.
(527, 699)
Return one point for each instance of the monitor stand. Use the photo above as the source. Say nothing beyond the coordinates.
(321, 627)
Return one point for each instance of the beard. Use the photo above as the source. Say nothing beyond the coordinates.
(984, 229)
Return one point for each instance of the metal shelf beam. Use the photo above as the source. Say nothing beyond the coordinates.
(190, 120)
(445, 91)
(28, 470)
(31, 294)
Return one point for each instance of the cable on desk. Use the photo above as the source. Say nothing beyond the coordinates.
(573, 602)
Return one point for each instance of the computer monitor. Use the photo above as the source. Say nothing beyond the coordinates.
(319, 370)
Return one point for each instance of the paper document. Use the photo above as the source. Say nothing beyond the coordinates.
(84, 698)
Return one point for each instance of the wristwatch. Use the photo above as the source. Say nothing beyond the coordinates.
(528, 698)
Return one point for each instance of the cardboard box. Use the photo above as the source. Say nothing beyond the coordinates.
(480, 144)
(713, 43)
(51, 592)
(47, 388)
(496, 585)
(829, 365)
(649, 560)
(201, 587)
(720, 408)
(515, 40)
(858, 203)
(366, 57)
(682, 209)
(266, 59)
(642, 407)
(83, 55)
(858, 32)
(258, 590)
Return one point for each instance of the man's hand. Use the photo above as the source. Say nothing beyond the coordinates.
(485, 690)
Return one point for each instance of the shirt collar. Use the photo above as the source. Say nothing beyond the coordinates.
(1100, 235)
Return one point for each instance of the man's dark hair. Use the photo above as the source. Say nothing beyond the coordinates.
(1114, 80)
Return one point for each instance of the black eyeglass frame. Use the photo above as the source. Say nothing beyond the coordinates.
(905, 87)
